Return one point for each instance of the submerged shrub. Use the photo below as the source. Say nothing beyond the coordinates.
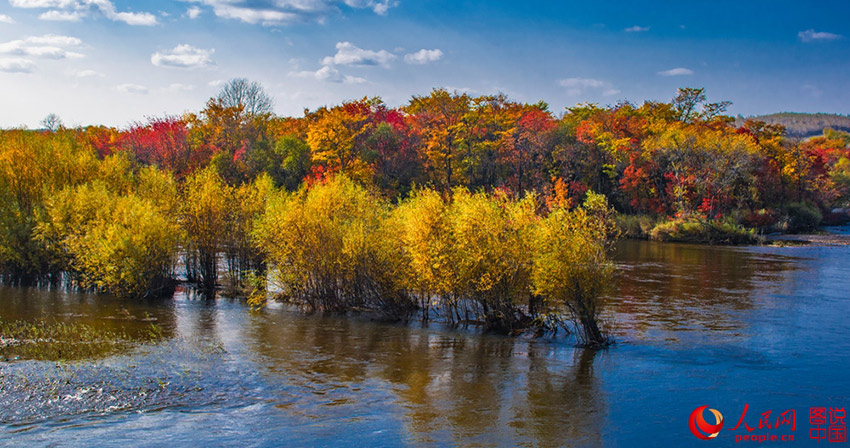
(243, 259)
(328, 248)
(571, 270)
(122, 244)
(33, 167)
(205, 211)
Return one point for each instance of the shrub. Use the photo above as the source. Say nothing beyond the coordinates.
(571, 270)
(803, 216)
(636, 226)
(328, 250)
(696, 230)
(206, 206)
(122, 244)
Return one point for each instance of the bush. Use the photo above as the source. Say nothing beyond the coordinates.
(703, 231)
(803, 216)
(571, 270)
(636, 226)
(121, 244)
(329, 250)
(205, 213)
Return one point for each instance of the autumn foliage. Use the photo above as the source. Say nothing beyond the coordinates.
(465, 207)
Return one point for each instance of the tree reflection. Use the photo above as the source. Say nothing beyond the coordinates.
(450, 388)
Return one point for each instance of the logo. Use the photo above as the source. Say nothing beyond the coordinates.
(701, 428)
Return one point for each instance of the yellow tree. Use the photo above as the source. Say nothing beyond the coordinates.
(332, 138)
(437, 120)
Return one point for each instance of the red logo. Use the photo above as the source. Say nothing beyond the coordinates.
(701, 428)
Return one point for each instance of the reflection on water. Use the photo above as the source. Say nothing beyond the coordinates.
(698, 325)
(450, 388)
(681, 287)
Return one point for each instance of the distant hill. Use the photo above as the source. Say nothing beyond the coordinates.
(803, 125)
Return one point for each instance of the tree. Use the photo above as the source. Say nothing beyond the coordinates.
(332, 139)
(52, 123)
(250, 96)
(436, 119)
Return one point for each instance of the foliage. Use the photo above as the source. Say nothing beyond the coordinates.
(802, 216)
(206, 205)
(571, 270)
(696, 230)
(113, 242)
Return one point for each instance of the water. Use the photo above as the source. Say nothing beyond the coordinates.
(697, 325)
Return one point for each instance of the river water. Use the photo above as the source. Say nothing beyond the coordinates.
(764, 329)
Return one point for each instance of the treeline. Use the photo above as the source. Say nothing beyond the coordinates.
(470, 208)
(802, 125)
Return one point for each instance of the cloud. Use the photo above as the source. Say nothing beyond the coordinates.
(132, 88)
(329, 74)
(61, 16)
(183, 56)
(423, 56)
(378, 7)
(636, 29)
(16, 65)
(817, 36)
(6, 19)
(177, 87)
(215, 82)
(577, 86)
(72, 10)
(678, 71)
(349, 54)
(87, 74)
(193, 12)
(49, 46)
(286, 12)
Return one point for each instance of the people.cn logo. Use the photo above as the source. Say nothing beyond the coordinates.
(701, 428)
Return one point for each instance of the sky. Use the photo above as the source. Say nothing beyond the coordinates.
(117, 62)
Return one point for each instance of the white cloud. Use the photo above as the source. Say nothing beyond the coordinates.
(636, 29)
(285, 12)
(329, 74)
(132, 88)
(183, 56)
(577, 86)
(678, 71)
(215, 82)
(16, 65)
(349, 54)
(75, 9)
(61, 16)
(815, 36)
(54, 39)
(193, 12)
(423, 56)
(6, 19)
(177, 87)
(49, 46)
(379, 7)
(86, 74)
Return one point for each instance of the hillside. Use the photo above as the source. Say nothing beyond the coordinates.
(802, 124)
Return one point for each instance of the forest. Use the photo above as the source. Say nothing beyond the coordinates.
(454, 207)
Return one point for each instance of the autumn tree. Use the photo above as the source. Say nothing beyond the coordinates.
(436, 119)
(332, 139)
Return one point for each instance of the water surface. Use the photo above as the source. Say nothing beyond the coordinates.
(697, 325)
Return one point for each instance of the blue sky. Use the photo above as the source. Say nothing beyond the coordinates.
(114, 62)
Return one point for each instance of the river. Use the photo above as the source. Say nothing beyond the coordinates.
(760, 328)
